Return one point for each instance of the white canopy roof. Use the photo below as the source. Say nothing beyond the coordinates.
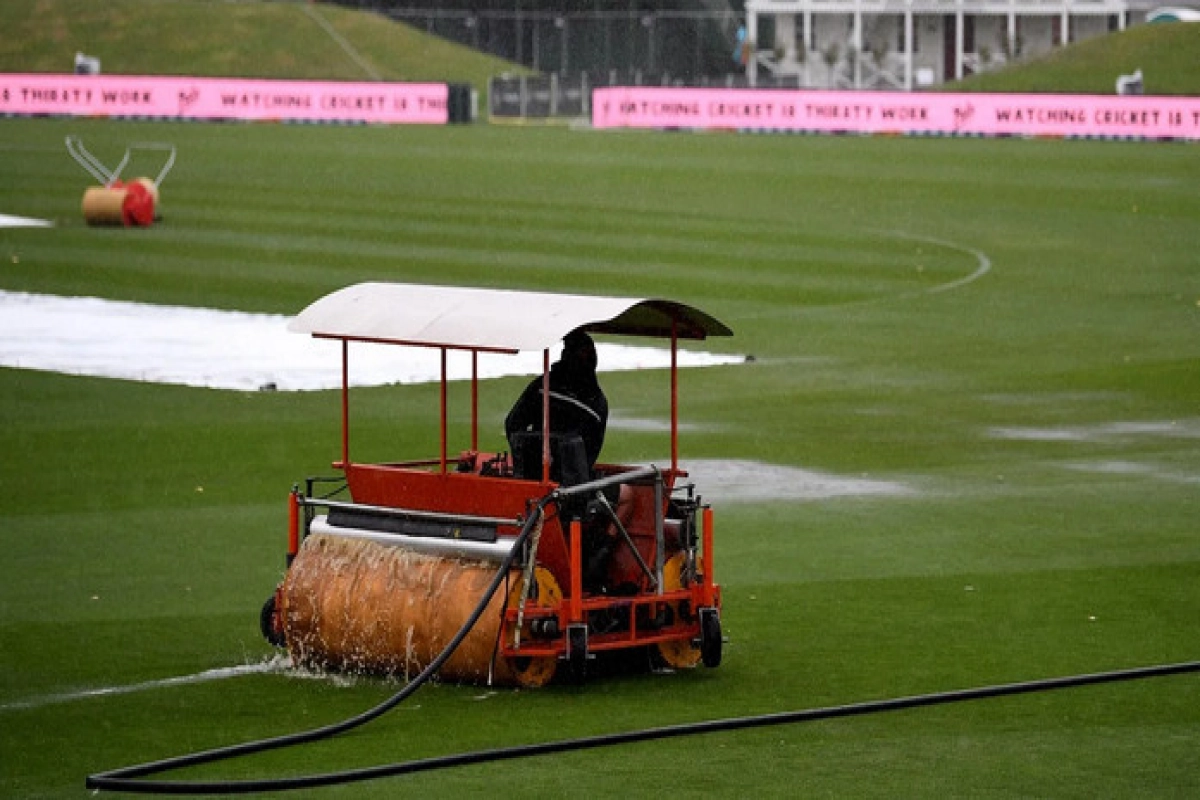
(491, 319)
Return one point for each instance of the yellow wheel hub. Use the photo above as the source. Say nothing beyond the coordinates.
(536, 671)
(679, 653)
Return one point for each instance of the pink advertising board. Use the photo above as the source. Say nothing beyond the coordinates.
(898, 112)
(223, 99)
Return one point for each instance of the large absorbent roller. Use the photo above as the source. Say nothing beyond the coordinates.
(363, 606)
(391, 563)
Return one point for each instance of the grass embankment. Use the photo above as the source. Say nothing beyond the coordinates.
(282, 40)
(294, 40)
(1167, 55)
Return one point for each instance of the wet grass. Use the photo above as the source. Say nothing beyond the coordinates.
(144, 525)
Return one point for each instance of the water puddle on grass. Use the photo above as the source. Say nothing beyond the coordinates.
(1135, 469)
(616, 421)
(1103, 432)
(732, 481)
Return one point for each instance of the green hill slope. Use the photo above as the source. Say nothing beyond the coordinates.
(1167, 55)
(245, 39)
(260, 39)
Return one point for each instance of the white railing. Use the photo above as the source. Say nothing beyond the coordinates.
(1040, 7)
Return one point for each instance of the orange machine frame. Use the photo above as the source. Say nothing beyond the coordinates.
(465, 485)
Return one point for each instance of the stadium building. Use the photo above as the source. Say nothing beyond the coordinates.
(910, 44)
(823, 44)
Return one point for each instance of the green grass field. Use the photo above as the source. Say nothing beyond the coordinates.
(1009, 328)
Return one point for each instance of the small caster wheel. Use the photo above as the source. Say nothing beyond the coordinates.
(270, 624)
(710, 637)
(577, 652)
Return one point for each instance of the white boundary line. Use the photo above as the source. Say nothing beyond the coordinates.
(277, 664)
(985, 263)
(984, 266)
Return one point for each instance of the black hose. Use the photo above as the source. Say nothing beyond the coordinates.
(125, 778)
(131, 779)
(651, 734)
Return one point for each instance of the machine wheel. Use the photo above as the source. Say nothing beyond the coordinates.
(268, 622)
(577, 652)
(680, 653)
(710, 637)
(533, 672)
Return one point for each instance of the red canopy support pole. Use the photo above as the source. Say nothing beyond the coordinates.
(293, 525)
(546, 415)
(708, 589)
(475, 401)
(345, 404)
(443, 404)
(575, 602)
(674, 399)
